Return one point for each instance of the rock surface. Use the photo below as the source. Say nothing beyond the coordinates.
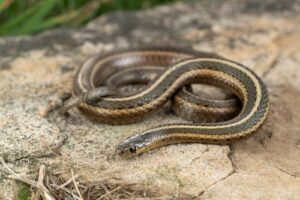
(264, 35)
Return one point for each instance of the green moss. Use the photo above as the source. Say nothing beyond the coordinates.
(23, 192)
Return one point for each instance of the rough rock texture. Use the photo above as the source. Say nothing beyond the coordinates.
(264, 35)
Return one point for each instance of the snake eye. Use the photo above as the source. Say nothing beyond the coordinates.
(132, 149)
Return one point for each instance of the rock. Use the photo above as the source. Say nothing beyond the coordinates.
(263, 35)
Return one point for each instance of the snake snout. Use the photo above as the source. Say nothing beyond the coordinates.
(125, 149)
(133, 146)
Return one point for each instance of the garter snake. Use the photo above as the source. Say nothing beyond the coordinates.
(185, 67)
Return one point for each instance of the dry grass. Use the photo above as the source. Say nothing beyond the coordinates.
(70, 186)
(76, 188)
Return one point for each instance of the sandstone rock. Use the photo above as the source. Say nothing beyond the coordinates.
(261, 34)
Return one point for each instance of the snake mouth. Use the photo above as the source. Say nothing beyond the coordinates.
(126, 151)
(119, 153)
(123, 154)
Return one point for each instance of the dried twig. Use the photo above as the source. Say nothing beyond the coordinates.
(69, 181)
(108, 193)
(40, 181)
(75, 184)
(6, 168)
(67, 191)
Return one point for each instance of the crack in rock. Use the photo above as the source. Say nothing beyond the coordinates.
(233, 171)
(219, 181)
(294, 175)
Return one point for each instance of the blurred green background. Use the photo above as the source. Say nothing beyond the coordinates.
(21, 17)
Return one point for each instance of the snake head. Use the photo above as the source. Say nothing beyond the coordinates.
(131, 147)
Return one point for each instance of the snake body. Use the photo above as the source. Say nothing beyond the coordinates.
(185, 67)
(185, 103)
